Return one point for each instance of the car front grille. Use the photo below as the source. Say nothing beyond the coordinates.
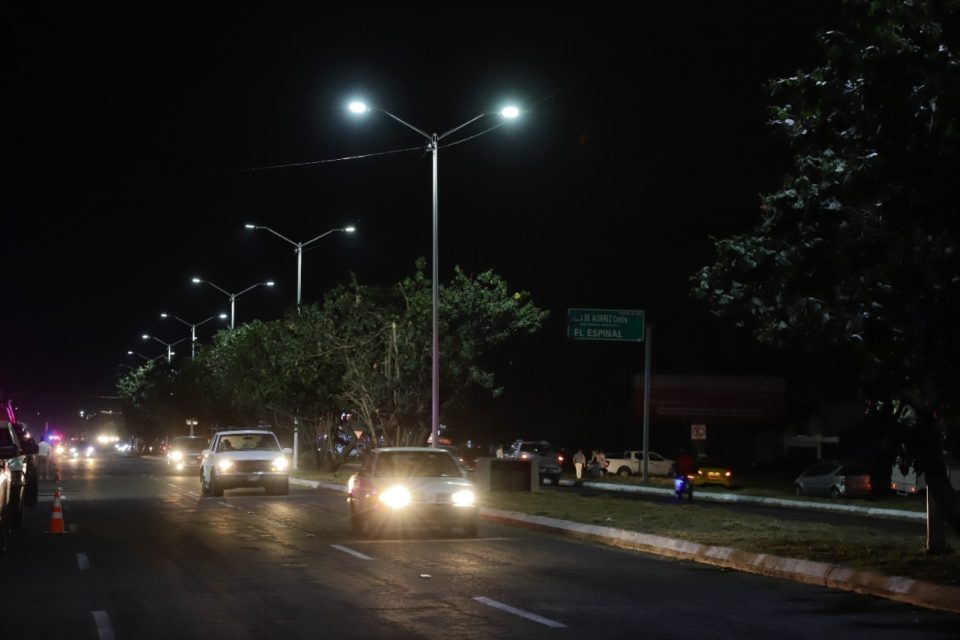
(252, 466)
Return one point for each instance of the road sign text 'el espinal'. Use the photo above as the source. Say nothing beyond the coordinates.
(605, 324)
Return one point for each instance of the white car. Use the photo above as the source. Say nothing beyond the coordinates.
(245, 458)
(411, 487)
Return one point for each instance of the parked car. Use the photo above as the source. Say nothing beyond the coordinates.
(629, 463)
(542, 451)
(245, 458)
(9, 449)
(712, 472)
(24, 476)
(834, 479)
(411, 487)
(186, 452)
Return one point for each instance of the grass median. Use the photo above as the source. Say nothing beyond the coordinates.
(850, 546)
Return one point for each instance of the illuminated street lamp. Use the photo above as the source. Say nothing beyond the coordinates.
(193, 329)
(299, 248)
(433, 145)
(168, 345)
(233, 296)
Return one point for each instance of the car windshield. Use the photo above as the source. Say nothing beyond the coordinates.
(249, 442)
(416, 464)
(192, 445)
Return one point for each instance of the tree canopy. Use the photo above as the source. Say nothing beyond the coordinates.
(856, 256)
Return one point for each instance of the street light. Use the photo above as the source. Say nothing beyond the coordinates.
(193, 329)
(145, 358)
(233, 296)
(299, 248)
(433, 144)
(168, 345)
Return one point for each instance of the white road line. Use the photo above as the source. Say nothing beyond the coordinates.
(520, 612)
(355, 554)
(104, 630)
(227, 504)
(83, 561)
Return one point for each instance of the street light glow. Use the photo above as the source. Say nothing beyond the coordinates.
(350, 229)
(358, 107)
(250, 226)
(510, 112)
(197, 280)
(269, 283)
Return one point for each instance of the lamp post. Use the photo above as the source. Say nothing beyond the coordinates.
(193, 329)
(145, 358)
(168, 345)
(433, 145)
(233, 296)
(299, 249)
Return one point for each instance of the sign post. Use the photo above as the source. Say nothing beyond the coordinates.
(618, 325)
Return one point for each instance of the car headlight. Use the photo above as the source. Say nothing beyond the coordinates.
(463, 498)
(280, 464)
(350, 483)
(176, 456)
(225, 465)
(89, 451)
(395, 497)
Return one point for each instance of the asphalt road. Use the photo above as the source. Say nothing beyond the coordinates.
(147, 557)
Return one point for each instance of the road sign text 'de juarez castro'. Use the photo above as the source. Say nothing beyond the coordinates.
(605, 324)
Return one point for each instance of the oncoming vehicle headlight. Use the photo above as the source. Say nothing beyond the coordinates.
(280, 464)
(225, 465)
(463, 498)
(176, 456)
(395, 497)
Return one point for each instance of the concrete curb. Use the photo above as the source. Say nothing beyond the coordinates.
(770, 502)
(915, 592)
(899, 588)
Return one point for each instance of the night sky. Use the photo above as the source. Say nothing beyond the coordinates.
(139, 144)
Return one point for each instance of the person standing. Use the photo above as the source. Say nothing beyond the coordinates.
(578, 461)
(43, 458)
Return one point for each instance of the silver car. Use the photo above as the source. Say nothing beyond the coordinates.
(411, 488)
(834, 479)
(550, 461)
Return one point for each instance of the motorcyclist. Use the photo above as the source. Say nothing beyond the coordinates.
(684, 468)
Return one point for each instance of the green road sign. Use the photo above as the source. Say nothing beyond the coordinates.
(605, 324)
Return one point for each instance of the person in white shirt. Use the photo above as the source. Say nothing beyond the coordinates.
(43, 455)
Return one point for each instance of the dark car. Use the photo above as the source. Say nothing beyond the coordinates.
(186, 452)
(550, 461)
(834, 479)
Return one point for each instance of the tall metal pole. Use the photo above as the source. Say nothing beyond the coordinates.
(435, 422)
(648, 339)
(233, 309)
(299, 272)
(193, 344)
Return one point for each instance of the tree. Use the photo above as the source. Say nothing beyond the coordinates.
(385, 344)
(856, 256)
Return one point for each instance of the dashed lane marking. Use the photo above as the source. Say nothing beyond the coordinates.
(520, 612)
(104, 630)
(355, 554)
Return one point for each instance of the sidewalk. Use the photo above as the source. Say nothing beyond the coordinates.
(915, 592)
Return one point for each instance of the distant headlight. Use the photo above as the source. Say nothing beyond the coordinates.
(463, 498)
(89, 451)
(395, 497)
(280, 464)
(225, 465)
(176, 456)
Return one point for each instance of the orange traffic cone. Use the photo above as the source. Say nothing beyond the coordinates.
(56, 518)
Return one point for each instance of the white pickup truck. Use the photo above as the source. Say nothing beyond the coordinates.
(631, 463)
(244, 458)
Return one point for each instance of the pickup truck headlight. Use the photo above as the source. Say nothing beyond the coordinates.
(395, 497)
(280, 464)
(225, 465)
(176, 456)
(463, 498)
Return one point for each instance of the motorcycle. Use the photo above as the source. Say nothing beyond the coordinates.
(683, 484)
